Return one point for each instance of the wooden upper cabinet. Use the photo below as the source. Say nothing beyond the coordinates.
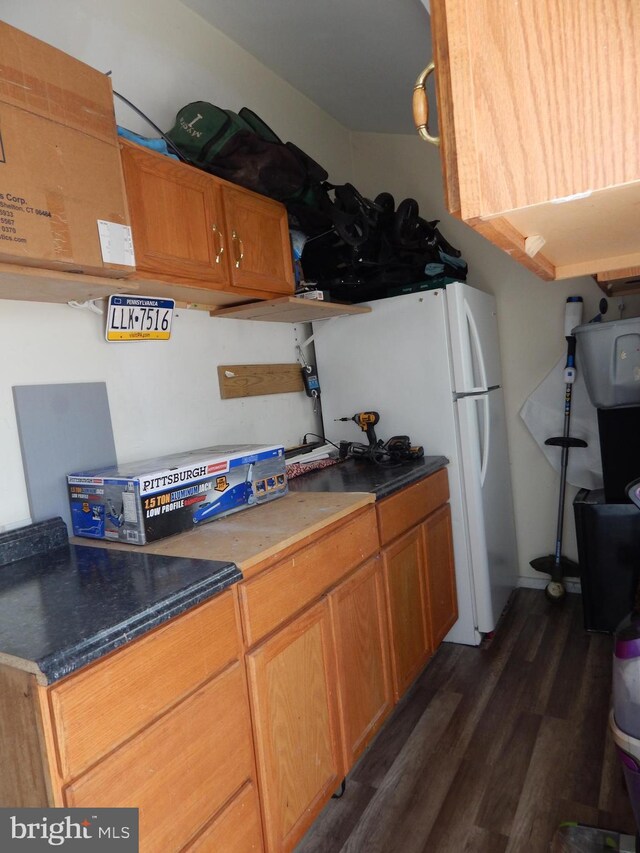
(539, 121)
(177, 219)
(220, 243)
(259, 246)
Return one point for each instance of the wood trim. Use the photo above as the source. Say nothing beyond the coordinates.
(253, 380)
(289, 309)
(446, 129)
(23, 768)
(621, 262)
(505, 236)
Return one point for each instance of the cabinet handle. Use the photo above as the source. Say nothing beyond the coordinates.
(217, 233)
(421, 106)
(237, 244)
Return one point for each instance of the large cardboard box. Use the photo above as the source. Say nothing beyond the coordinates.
(60, 169)
(145, 501)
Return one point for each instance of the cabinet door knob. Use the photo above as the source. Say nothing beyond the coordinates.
(238, 247)
(421, 106)
(217, 233)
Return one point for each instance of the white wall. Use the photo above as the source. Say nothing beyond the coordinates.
(163, 396)
(531, 323)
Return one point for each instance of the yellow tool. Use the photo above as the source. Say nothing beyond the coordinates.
(366, 421)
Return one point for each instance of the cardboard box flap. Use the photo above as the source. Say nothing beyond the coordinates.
(46, 81)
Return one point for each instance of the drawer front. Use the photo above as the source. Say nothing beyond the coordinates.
(276, 595)
(402, 511)
(235, 830)
(96, 710)
(181, 769)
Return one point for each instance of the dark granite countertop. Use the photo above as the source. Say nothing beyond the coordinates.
(63, 606)
(62, 609)
(358, 475)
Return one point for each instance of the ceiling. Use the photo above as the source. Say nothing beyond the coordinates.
(356, 59)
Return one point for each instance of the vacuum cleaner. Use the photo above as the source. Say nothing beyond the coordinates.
(555, 564)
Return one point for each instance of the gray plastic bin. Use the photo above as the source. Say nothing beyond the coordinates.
(608, 354)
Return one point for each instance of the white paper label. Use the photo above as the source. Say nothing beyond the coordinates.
(129, 507)
(116, 243)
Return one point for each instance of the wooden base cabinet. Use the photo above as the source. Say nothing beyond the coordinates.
(410, 631)
(295, 716)
(419, 574)
(161, 724)
(440, 574)
(358, 613)
(195, 756)
(215, 242)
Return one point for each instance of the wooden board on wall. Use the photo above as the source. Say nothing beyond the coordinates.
(251, 380)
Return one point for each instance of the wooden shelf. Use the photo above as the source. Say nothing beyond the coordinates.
(33, 284)
(289, 309)
(619, 282)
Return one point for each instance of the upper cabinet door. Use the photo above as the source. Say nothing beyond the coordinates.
(539, 121)
(545, 99)
(176, 217)
(259, 244)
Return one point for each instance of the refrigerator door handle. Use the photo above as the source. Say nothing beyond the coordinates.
(475, 346)
(480, 393)
(487, 440)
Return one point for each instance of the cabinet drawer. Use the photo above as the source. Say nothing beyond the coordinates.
(280, 592)
(235, 830)
(180, 770)
(100, 708)
(402, 511)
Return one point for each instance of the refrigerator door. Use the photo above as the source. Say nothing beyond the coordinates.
(475, 352)
(395, 361)
(487, 487)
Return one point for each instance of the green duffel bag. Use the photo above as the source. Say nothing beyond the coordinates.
(201, 131)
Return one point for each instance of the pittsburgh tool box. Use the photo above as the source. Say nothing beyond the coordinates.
(144, 501)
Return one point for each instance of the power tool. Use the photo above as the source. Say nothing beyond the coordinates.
(366, 421)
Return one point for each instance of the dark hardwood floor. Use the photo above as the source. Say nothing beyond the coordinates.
(492, 748)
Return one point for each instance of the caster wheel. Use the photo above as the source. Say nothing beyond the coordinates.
(555, 591)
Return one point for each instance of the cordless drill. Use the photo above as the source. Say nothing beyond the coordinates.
(366, 421)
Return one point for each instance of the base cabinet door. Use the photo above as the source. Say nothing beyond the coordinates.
(299, 756)
(440, 574)
(408, 615)
(358, 613)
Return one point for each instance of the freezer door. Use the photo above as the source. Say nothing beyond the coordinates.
(475, 351)
(487, 486)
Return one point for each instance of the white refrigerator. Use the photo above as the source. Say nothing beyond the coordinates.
(429, 363)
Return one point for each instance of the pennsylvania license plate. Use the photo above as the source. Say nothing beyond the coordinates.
(139, 318)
